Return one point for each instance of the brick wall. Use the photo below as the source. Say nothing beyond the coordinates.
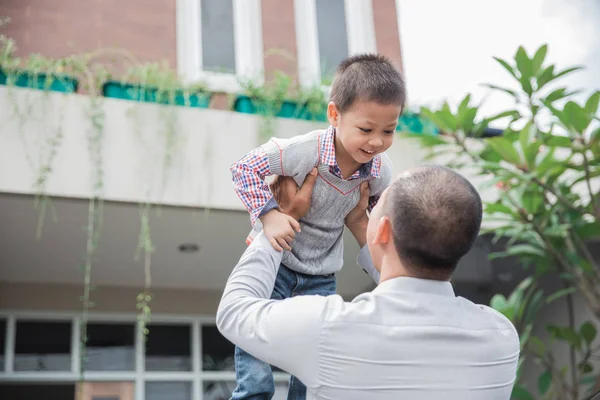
(279, 37)
(58, 28)
(386, 30)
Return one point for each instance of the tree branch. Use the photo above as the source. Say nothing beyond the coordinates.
(586, 167)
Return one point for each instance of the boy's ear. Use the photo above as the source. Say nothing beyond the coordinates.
(333, 114)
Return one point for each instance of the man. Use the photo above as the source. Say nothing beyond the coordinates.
(411, 337)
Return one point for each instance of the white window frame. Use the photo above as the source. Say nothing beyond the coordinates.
(248, 45)
(139, 376)
(360, 31)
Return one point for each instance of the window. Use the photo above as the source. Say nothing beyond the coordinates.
(168, 391)
(331, 32)
(169, 348)
(217, 352)
(110, 347)
(42, 346)
(182, 358)
(220, 390)
(219, 42)
(327, 31)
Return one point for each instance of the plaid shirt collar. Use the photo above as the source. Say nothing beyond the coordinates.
(327, 142)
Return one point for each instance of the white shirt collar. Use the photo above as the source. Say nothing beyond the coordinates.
(415, 285)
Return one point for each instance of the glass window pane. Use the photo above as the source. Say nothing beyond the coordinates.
(218, 51)
(168, 391)
(169, 348)
(221, 390)
(217, 352)
(2, 342)
(331, 29)
(110, 347)
(42, 346)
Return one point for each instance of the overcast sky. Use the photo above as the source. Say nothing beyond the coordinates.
(448, 45)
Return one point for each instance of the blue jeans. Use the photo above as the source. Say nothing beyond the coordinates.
(254, 377)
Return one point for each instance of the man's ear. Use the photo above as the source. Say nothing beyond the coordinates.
(383, 234)
(333, 114)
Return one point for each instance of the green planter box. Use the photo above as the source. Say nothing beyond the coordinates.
(24, 78)
(415, 123)
(118, 90)
(247, 105)
(320, 115)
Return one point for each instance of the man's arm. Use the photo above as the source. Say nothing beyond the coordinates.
(284, 333)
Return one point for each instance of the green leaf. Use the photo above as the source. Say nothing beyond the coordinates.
(492, 208)
(498, 303)
(538, 59)
(490, 155)
(544, 382)
(523, 63)
(588, 332)
(559, 141)
(505, 149)
(576, 116)
(589, 230)
(566, 72)
(557, 95)
(537, 346)
(560, 293)
(506, 66)
(535, 305)
(503, 89)
(525, 249)
(462, 107)
(520, 393)
(532, 202)
(565, 333)
(586, 368)
(591, 105)
(545, 76)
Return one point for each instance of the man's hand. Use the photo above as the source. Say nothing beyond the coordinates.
(280, 229)
(291, 199)
(357, 219)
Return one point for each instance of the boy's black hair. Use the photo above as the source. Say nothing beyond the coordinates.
(367, 77)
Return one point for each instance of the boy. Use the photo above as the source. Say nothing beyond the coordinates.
(367, 98)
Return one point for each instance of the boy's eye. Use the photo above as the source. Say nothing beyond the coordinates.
(365, 130)
(388, 132)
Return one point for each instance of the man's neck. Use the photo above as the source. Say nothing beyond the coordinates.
(392, 269)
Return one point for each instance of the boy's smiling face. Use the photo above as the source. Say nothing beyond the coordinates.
(363, 131)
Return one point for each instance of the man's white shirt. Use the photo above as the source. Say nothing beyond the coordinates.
(407, 339)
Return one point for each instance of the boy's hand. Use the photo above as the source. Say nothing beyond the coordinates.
(357, 219)
(280, 229)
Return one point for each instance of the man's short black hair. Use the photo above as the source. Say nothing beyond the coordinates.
(367, 77)
(436, 216)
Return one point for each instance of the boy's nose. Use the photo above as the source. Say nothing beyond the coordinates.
(376, 142)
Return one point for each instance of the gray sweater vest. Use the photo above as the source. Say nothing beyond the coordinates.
(319, 248)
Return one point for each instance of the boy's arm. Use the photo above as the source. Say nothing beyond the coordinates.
(248, 181)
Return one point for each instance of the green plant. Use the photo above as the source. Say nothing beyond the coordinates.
(544, 171)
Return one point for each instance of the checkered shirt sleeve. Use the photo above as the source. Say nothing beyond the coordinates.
(248, 181)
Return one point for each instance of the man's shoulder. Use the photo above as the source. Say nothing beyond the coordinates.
(486, 318)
